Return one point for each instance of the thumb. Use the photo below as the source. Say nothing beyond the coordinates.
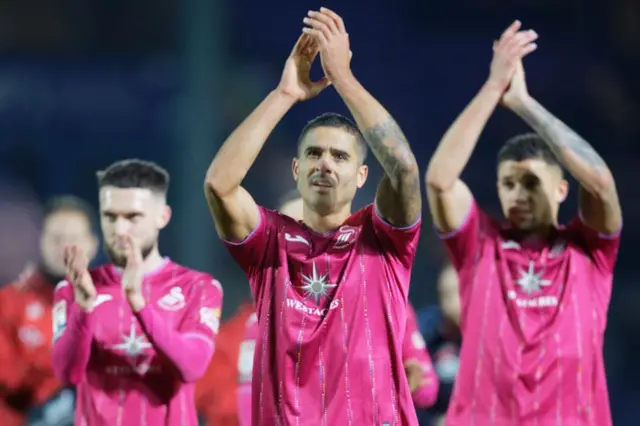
(320, 85)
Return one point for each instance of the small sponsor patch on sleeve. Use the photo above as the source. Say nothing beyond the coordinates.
(210, 317)
(59, 317)
(418, 340)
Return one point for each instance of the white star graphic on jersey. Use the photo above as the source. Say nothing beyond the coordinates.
(316, 286)
(530, 281)
(133, 344)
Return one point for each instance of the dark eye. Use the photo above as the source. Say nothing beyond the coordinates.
(508, 185)
(341, 156)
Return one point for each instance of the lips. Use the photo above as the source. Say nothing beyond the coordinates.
(322, 182)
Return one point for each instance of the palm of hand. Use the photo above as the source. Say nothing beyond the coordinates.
(295, 78)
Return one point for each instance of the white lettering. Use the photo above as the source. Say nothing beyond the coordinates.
(538, 302)
(311, 310)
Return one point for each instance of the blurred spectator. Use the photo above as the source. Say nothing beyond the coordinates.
(20, 217)
(440, 328)
(26, 377)
(232, 364)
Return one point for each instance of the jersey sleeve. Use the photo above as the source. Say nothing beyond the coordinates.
(189, 347)
(602, 248)
(401, 241)
(72, 336)
(464, 243)
(251, 252)
(204, 310)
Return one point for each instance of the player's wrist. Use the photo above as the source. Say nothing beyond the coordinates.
(344, 80)
(281, 97)
(520, 103)
(85, 304)
(137, 302)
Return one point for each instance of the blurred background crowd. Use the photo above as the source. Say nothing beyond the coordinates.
(85, 83)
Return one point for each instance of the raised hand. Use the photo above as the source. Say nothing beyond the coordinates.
(517, 92)
(328, 30)
(296, 80)
(77, 269)
(133, 276)
(514, 44)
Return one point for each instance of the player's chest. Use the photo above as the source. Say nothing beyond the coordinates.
(118, 330)
(534, 279)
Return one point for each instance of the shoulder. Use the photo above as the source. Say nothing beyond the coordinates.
(191, 279)
(360, 217)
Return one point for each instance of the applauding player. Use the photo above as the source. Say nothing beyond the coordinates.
(534, 294)
(331, 292)
(136, 334)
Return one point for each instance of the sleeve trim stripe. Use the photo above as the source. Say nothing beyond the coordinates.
(602, 235)
(391, 225)
(249, 237)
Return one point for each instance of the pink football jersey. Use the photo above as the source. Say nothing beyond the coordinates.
(415, 348)
(245, 370)
(332, 315)
(137, 369)
(533, 320)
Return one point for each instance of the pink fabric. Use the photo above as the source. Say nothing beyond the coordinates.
(71, 351)
(533, 320)
(415, 348)
(190, 353)
(332, 315)
(138, 370)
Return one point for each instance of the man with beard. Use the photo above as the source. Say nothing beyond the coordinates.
(26, 376)
(136, 334)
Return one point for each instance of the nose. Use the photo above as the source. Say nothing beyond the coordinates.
(121, 227)
(522, 195)
(324, 164)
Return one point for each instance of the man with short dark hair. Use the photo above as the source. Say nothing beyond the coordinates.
(534, 294)
(26, 375)
(330, 290)
(136, 334)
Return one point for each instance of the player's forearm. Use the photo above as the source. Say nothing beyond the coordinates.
(582, 161)
(72, 350)
(190, 354)
(382, 133)
(238, 153)
(458, 143)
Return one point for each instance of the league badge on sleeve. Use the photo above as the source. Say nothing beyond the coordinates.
(211, 318)
(59, 317)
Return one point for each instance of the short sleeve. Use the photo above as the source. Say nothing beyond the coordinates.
(62, 300)
(403, 241)
(602, 248)
(204, 309)
(464, 243)
(251, 252)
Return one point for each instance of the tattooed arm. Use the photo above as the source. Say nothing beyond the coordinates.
(398, 199)
(599, 205)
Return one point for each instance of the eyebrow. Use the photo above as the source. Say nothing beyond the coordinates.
(333, 151)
